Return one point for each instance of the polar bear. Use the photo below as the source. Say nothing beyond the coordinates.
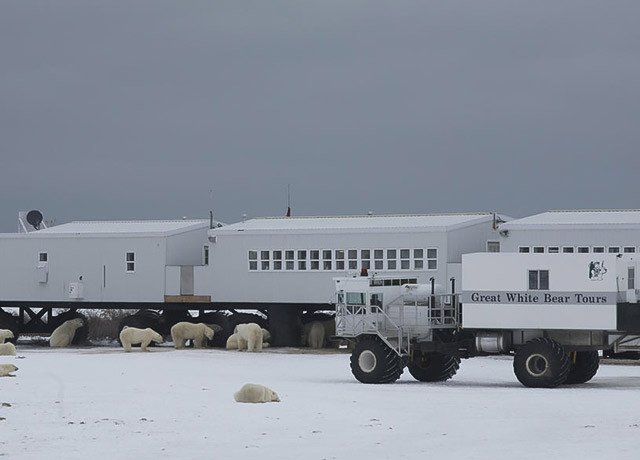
(5, 334)
(183, 331)
(5, 370)
(251, 333)
(62, 336)
(254, 393)
(314, 334)
(232, 341)
(132, 335)
(7, 349)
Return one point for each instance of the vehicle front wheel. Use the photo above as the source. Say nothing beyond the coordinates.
(372, 361)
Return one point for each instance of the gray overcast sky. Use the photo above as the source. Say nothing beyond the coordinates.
(137, 109)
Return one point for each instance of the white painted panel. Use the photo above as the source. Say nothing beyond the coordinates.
(172, 280)
(569, 317)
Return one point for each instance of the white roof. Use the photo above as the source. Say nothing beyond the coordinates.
(428, 222)
(624, 218)
(146, 227)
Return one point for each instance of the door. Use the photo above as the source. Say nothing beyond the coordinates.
(632, 292)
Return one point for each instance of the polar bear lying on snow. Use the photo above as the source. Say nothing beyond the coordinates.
(7, 349)
(183, 331)
(254, 393)
(235, 341)
(63, 335)
(252, 334)
(6, 369)
(132, 336)
(5, 334)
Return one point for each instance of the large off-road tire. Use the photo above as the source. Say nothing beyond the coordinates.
(584, 365)
(541, 363)
(9, 321)
(81, 336)
(433, 367)
(222, 320)
(372, 361)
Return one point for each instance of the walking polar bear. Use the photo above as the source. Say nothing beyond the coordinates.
(183, 331)
(7, 349)
(133, 336)
(6, 369)
(254, 393)
(5, 334)
(235, 341)
(63, 335)
(252, 334)
(314, 333)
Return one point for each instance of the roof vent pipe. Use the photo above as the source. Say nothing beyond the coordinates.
(210, 219)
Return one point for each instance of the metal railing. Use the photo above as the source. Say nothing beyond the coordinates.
(400, 320)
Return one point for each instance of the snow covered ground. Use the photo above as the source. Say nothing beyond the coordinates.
(102, 403)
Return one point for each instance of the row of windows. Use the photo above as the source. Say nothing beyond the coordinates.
(130, 260)
(343, 259)
(578, 249)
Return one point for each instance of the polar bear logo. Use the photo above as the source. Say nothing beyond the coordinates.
(7, 349)
(251, 333)
(6, 369)
(183, 331)
(254, 393)
(132, 336)
(62, 336)
(5, 334)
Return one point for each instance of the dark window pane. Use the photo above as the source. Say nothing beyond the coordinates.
(544, 280)
(533, 279)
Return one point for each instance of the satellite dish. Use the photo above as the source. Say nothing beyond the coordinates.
(34, 218)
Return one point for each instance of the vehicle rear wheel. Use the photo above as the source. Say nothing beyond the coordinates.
(372, 361)
(433, 367)
(584, 366)
(541, 363)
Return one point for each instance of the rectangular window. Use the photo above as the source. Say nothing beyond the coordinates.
(405, 259)
(539, 280)
(339, 254)
(264, 265)
(567, 249)
(302, 255)
(538, 249)
(598, 249)
(378, 259)
(355, 298)
(583, 249)
(631, 278)
(339, 264)
(43, 256)
(253, 255)
(392, 265)
(253, 265)
(629, 249)
(206, 256)
(326, 259)
(614, 249)
(314, 255)
(493, 246)
(264, 255)
(553, 250)
(353, 259)
(277, 260)
(131, 262)
(289, 264)
(302, 264)
(418, 259)
(524, 249)
(432, 259)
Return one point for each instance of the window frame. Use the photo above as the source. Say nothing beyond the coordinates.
(131, 261)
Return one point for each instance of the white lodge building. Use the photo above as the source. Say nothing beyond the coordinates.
(293, 260)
